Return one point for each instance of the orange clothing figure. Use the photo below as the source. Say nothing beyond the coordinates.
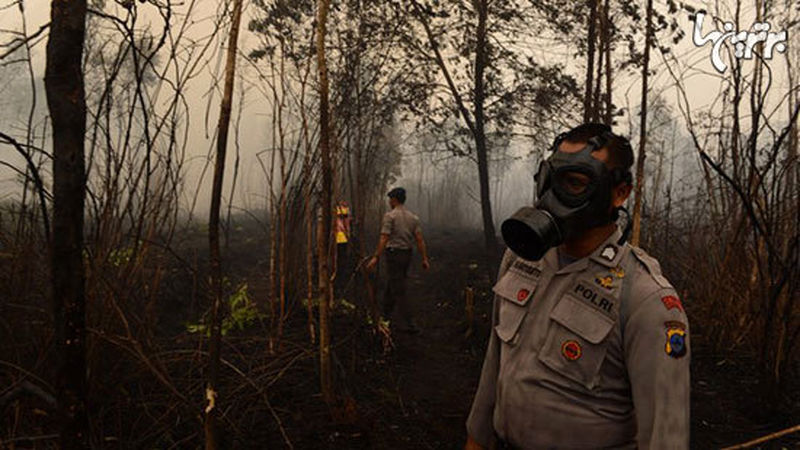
(342, 223)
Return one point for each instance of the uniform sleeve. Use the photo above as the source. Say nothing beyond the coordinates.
(480, 421)
(657, 358)
(387, 224)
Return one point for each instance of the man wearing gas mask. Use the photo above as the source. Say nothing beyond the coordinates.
(590, 343)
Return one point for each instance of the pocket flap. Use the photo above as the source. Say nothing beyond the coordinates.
(509, 321)
(513, 294)
(581, 319)
(515, 288)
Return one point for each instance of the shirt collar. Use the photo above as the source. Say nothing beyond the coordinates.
(609, 254)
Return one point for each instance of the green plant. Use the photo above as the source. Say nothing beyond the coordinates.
(242, 313)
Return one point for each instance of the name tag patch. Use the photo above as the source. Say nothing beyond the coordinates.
(525, 269)
(593, 297)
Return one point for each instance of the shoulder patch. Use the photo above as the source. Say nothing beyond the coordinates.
(676, 342)
(652, 266)
(670, 302)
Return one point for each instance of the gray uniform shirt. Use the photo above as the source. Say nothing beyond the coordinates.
(402, 226)
(594, 354)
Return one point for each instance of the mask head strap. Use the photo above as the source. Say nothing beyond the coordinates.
(626, 232)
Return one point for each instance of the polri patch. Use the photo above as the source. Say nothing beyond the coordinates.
(571, 350)
(522, 295)
(671, 302)
(586, 292)
(676, 342)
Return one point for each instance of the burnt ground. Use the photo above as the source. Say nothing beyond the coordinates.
(415, 397)
(419, 395)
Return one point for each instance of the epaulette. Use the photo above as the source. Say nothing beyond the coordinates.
(652, 266)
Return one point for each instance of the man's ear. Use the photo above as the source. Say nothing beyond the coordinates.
(620, 193)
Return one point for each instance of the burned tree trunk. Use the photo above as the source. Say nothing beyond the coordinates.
(211, 434)
(67, 103)
(637, 201)
(327, 184)
(607, 111)
(480, 133)
(475, 122)
(591, 38)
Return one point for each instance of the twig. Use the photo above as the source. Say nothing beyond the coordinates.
(45, 437)
(16, 43)
(36, 179)
(766, 438)
(26, 387)
(264, 397)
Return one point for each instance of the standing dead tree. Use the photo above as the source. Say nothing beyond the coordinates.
(475, 120)
(591, 39)
(212, 410)
(325, 287)
(67, 104)
(637, 199)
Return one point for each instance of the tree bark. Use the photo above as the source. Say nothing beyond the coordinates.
(608, 112)
(67, 103)
(308, 181)
(637, 202)
(482, 7)
(327, 184)
(211, 411)
(591, 38)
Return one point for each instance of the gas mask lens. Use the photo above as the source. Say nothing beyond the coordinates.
(573, 183)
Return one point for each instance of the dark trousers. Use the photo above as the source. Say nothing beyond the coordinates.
(342, 270)
(397, 263)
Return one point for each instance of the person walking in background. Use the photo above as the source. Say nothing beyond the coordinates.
(341, 228)
(400, 228)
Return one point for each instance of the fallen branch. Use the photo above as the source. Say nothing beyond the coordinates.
(766, 438)
(26, 387)
(263, 397)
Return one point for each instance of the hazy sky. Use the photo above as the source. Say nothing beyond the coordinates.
(703, 85)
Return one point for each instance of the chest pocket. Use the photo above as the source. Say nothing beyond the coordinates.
(514, 293)
(575, 345)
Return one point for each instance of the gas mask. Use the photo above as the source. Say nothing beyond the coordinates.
(574, 195)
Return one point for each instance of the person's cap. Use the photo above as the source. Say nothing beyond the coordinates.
(398, 193)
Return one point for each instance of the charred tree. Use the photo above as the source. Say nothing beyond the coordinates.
(66, 99)
(607, 110)
(482, 7)
(476, 120)
(327, 186)
(637, 201)
(211, 411)
(591, 38)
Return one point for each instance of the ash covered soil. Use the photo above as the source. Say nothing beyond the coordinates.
(418, 395)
